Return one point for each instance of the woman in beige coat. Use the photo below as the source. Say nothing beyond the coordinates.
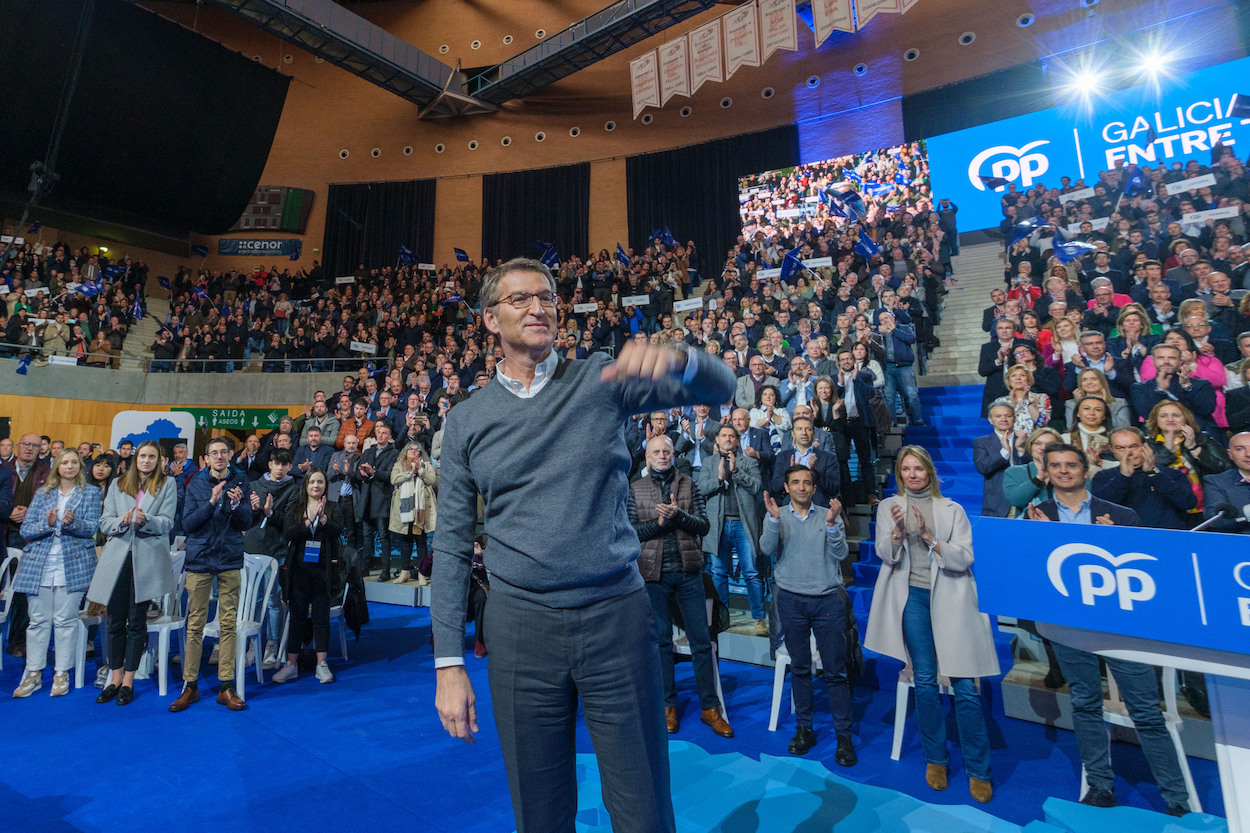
(924, 611)
(413, 507)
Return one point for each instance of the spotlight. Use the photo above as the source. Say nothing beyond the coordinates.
(1086, 83)
(1154, 64)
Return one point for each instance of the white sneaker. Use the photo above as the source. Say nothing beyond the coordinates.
(102, 676)
(270, 660)
(215, 657)
(31, 682)
(250, 658)
(286, 673)
(60, 684)
(324, 674)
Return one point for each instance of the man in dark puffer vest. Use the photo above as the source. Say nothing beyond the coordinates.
(668, 514)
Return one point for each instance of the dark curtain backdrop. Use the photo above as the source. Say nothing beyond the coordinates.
(367, 222)
(694, 190)
(1013, 91)
(549, 204)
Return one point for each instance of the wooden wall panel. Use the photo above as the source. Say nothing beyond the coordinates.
(609, 207)
(458, 219)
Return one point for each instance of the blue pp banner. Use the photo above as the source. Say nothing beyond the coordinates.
(288, 247)
(1189, 114)
(1190, 588)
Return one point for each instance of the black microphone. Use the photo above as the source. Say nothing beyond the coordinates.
(1229, 512)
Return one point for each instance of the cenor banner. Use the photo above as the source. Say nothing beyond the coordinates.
(705, 54)
(644, 81)
(742, 39)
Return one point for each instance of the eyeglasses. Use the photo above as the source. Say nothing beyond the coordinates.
(220, 452)
(523, 300)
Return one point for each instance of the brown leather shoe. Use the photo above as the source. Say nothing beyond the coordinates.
(190, 694)
(229, 698)
(935, 776)
(670, 717)
(982, 791)
(712, 718)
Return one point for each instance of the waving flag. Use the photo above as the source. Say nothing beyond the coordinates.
(850, 174)
(900, 178)
(551, 258)
(668, 239)
(994, 182)
(878, 189)
(1136, 182)
(406, 256)
(163, 282)
(790, 264)
(452, 300)
(541, 246)
(199, 251)
(866, 247)
(854, 204)
(24, 364)
(35, 227)
(89, 290)
(1024, 228)
(136, 311)
(621, 255)
(200, 293)
(461, 255)
(114, 270)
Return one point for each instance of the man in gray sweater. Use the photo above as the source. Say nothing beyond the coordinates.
(543, 444)
(810, 602)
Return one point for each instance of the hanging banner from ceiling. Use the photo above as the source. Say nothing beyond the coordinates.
(645, 82)
(866, 10)
(742, 39)
(705, 55)
(778, 27)
(674, 69)
(832, 16)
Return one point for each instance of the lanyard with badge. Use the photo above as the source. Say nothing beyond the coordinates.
(312, 549)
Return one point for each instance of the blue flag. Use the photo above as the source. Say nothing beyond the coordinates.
(136, 311)
(621, 255)
(900, 178)
(541, 246)
(866, 247)
(163, 282)
(854, 204)
(90, 290)
(551, 258)
(452, 300)
(461, 255)
(1024, 228)
(114, 270)
(199, 251)
(1136, 182)
(877, 189)
(852, 176)
(790, 264)
(200, 293)
(406, 256)
(24, 364)
(667, 239)
(35, 227)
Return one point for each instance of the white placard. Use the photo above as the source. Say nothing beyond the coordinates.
(831, 16)
(589, 307)
(744, 197)
(767, 273)
(426, 267)
(742, 38)
(1078, 194)
(1204, 181)
(811, 199)
(1099, 225)
(778, 27)
(790, 212)
(644, 80)
(674, 69)
(817, 262)
(345, 279)
(66, 360)
(705, 52)
(866, 10)
(6, 238)
(1211, 214)
(779, 201)
(636, 300)
(4, 289)
(41, 290)
(364, 347)
(689, 303)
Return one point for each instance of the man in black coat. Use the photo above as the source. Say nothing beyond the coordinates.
(753, 441)
(857, 422)
(993, 313)
(1094, 354)
(1160, 495)
(1174, 383)
(822, 461)
(371, 484)
(996, 357)
(993, 454)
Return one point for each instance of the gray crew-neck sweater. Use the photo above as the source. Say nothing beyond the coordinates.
(809, 552)
(553, 471)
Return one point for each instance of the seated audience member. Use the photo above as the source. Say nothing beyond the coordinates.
(1067, 470)
(1132, 338)
(808, 542)
(1171, 381)
(994, 453)
(1091, 432)
(1091, 382)
(1160, 495)
(1023, 483)
(1032, 410)
(1177, 442)
(1231, 488)
(669, 514)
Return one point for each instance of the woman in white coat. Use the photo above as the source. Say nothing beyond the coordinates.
(924, 610)
(134, 566)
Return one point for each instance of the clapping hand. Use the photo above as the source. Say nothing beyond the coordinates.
(268, 503)
(139, 518)
(51, 519)
(1035, 514)
(1104, 520)
(922, 530)
(127, 519)
(68, 517)
(900, 523)
(235, 495)
(215, 497)
(667, 511)
(771, 505)
(255, 501)
(835, 509)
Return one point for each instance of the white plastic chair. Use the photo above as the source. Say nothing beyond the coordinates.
(80, 649)
(250, 618)
(336, 612)
(6, 594)
(1116, 713)
(681, 645)
(779, 679)
(906, 682)
(173, 618)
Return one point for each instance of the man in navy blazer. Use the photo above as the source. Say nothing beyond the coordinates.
(993, 454)
(1094, 354)
(822, 461)
(1066, 468)
(1173, 382)
(1158, 494)
(1231, 487)
(753, 441)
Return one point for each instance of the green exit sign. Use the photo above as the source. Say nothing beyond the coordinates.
(239, 419)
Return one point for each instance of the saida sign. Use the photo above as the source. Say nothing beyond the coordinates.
(238, 419)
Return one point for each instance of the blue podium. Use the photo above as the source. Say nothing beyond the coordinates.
(1178, 599)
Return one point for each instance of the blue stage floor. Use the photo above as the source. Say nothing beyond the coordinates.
(368, 753)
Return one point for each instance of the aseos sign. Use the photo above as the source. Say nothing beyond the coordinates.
(1191, 588)
(1188, 115)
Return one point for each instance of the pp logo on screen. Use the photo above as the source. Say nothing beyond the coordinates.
(1016, 164)
(1128, 584)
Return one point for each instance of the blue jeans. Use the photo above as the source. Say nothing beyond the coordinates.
(1140, 690)
(825, 617)
(686, 589)
(734, 539)
(542, 661)
(974, 740)
(902, 377)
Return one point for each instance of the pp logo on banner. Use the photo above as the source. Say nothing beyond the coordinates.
(1127, 583)
(1026, 167)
